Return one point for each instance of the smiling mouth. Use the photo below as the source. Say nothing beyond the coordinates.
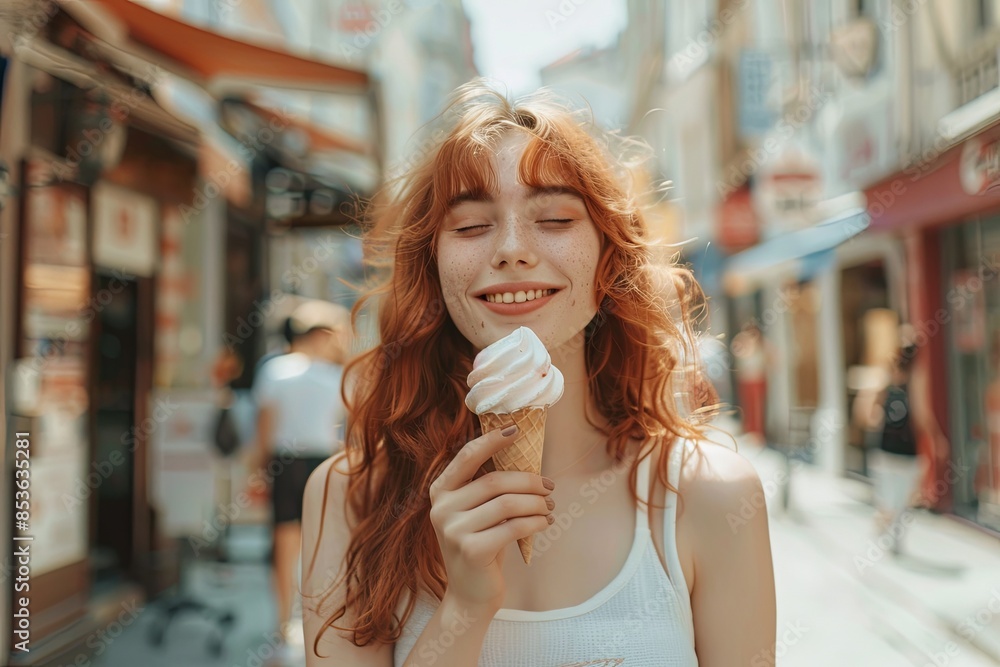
(517, 297)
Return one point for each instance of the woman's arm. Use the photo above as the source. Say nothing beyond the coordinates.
(330, 477)
(733, 598)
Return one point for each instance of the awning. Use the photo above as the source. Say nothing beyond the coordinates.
(798, 255)
(320, 139)
(225, 63)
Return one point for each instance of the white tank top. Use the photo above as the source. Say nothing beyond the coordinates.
(641, 619)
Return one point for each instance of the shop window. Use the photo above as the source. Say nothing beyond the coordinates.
(971, 295)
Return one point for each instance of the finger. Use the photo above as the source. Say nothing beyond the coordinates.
(497, 483)
(483, 547)
(473, 455)
(506, 507)
(484, 469)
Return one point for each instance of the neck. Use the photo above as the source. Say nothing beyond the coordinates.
(573, 448)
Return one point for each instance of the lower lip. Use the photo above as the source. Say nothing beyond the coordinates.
(518, 308)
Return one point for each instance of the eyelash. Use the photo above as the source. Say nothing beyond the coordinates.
(559, 220)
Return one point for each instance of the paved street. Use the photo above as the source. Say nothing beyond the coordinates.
(844, 600)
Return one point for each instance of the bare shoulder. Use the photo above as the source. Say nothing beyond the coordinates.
(715, 477)
(723, 501)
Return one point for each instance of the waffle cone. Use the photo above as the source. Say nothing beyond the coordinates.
(524, 455)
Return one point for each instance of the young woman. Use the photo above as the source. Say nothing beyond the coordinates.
(410, 552)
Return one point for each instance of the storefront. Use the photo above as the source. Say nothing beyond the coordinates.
(971, 285)
(944, 211)
(791, 284)
(133, 248)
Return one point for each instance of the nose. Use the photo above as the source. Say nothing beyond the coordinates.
(514, 244)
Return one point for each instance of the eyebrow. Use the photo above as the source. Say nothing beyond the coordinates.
(533, 193)
(470, 195)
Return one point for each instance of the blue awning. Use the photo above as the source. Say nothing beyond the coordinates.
(798, 255)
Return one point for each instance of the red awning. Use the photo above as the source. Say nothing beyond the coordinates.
(223, 61)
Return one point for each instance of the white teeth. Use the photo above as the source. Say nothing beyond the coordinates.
(518, 297)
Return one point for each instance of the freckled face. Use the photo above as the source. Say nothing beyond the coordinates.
(518, 239)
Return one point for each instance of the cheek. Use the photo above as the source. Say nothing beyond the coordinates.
(583, 254)
(456, 271)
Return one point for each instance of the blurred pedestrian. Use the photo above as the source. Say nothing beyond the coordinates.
(300, 423)
(893, 461)
(750, 354)
(288, 336)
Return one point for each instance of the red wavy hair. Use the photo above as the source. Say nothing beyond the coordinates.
(407, 409)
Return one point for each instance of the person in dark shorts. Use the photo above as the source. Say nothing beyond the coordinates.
(894, 462)
(300, 423)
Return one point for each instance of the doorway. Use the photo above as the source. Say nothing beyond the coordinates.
(113, 411)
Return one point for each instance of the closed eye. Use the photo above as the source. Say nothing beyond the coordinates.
(465, 229)
(557, 220)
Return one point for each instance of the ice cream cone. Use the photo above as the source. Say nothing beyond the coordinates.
(524, 455)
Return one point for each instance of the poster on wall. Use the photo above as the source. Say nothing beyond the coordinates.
(124, 230)
(970, 311)
(50, 377)
(180, 328)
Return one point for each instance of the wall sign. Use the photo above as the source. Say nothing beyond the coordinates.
(124, 230)
(979, 167)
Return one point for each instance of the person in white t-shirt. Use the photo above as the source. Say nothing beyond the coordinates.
(300, 423)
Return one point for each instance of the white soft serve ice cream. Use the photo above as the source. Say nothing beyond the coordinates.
(513, 373)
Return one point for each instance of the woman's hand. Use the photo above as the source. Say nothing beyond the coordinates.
(476, 518)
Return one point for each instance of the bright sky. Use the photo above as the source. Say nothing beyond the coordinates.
(514, 39)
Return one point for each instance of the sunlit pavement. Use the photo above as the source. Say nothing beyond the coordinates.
(844, 599)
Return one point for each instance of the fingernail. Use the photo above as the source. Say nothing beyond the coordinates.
(550, 503)
(551, 519)
(548, 483)
(509, 431)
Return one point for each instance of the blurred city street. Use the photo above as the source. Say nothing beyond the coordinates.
(197, 196)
